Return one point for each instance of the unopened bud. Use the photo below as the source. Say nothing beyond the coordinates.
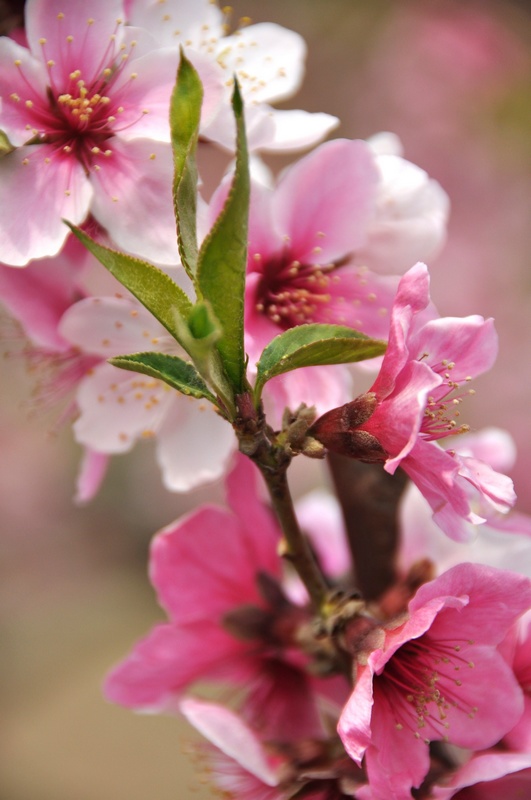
(339, 430)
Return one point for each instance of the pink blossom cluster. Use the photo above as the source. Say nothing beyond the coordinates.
(425, 688)
(434, 691)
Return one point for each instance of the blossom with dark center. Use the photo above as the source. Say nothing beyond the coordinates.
(85, 108)
(245, 763)
(435, 676)
(301, 236)
(230, 618)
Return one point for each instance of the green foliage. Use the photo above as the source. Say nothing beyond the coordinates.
(313, 345)
(223, 260)
(185, 115)
(177, 373)
(155, 290)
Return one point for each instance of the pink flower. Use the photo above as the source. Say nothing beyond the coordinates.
(37, 297)
(489, 776)
(517, 651)
(86, 109)
(247, 765)
(240, 765)
(118, 408)
(414, 402)
(435, 676)
(218, 575)
(411, 212)
(267, 59)
(302, 234)
(504, 540)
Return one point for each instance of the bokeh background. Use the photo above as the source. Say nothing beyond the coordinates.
(453, 80)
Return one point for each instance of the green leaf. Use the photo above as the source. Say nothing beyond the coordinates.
(199, 335)
(177, 373)
(155, 290)
(314, 345)
(223, 260)
(5, 145)
(185, 114)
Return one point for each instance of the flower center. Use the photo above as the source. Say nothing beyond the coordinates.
(80, 111)
(84, 108)
(427, 676)
(442, 409)
(291, 293)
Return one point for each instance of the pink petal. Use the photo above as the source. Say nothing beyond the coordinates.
(292, 130)
(35, 196)
(410, 218)
(144, 89)
(177, 21)
(168, 660)
(399, 760)
(496, 598)
(116, 408)
(133, 199)
(262, 531)
(232, 736)
(484, 769)
(111, 326)
(39, 295)
(267, 59)
(194, 444)
(230, 572)
(90, 25)
(355, 723)
(396, 421)
(412, 298)
(18, 85)
(471, 343)
(359, 299)
(91, 474)
(329, 223)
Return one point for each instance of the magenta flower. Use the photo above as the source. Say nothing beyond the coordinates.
(230, 619)
(504, 540)
(247, 765)
(517, 651)
(415, 401)
(436, 676)
(489, 776)
(86, 108)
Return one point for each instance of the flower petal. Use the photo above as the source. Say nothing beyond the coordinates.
(38, 188)
(328, 223)
(133, 199)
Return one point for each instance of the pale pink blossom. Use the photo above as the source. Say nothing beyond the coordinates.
(117, 408)
(85, 107)
(435, 676)
(230, 618)
(415, 401)
(267, 59)
(411, 212)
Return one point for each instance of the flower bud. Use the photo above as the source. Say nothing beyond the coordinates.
(338, 430)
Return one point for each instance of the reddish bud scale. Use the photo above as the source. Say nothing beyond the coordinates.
(338, 430)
